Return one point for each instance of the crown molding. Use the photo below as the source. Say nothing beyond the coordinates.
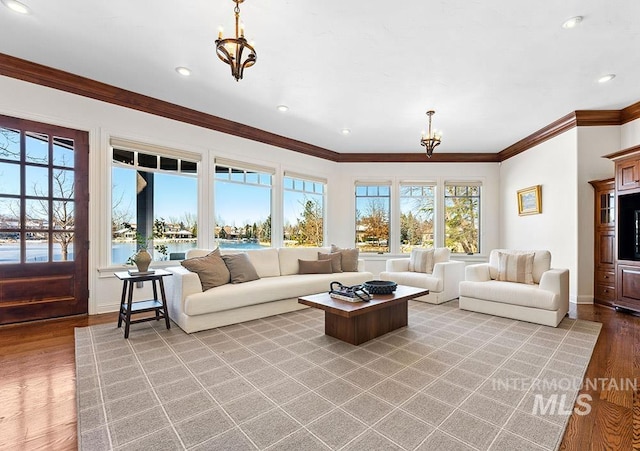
(64, 81)
(28, 71)
(579, 118)
(630, 113)
(554, 129)
(595, 118)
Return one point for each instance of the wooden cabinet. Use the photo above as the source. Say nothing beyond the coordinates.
(604, 286)
(628, 174)
(626, 233)
(629, 283)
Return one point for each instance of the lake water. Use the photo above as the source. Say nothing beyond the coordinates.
(38, 251)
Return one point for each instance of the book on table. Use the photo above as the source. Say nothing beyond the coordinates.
(134, 272)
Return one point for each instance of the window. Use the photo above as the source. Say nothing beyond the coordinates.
(243, 206)
(373, 202)
(416, 216)
(303, 208)
(37, 197)
(154, 202)
(462, 217)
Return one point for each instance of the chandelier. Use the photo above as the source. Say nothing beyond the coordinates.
(236, 52)
(430, 140)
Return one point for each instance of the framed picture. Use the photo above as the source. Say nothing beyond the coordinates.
(530, 200)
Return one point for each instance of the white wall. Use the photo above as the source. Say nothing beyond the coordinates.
(630, 134)
(553, 165)
(561, 165)
(103, 120)
(593, 143)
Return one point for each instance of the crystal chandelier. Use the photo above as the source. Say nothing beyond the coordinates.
(236, 52)
(431, 139)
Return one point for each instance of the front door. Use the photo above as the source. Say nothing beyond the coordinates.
(44, 202)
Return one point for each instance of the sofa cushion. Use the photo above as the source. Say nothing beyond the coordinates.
(210, 268)
(265, 261)
(227, 297)
(541, 262)
(240, 267)
(441, 255)
(336, 260)
(421, 260)
(349, 258)
(289, 256)
(509, 293)
(314, 266)
(515, 267)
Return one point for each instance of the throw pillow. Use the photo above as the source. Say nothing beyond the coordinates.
(421, 260)
(240, 267)
(349, 258)
(336, 260)
(314, 266)
(516, 267)
(210, 269)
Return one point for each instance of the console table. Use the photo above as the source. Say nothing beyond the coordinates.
(128, 307)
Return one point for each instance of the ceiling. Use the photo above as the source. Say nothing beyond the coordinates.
(494, 71)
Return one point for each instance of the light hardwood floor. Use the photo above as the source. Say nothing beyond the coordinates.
(37, 384)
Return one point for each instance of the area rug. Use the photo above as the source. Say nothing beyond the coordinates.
(451, 380)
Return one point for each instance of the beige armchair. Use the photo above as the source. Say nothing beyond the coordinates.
(515, 288)
(442, 281)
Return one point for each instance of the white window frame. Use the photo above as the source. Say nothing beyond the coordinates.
(478, 184)
(392, 194)
(149, 149)
(248, 167)
(436, 226)
(305, 178)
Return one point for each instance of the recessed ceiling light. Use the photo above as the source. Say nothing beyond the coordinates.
(283, 108)
(572, 22)
(345, 131)
(184, 71)
(16, 6)
(606, 78)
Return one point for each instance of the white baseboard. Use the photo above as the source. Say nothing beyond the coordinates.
(108, 308)
(582, 299)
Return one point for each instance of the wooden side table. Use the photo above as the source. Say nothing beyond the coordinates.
(128, 307)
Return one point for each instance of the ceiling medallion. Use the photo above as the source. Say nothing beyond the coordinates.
(236, 52)
(431, 140)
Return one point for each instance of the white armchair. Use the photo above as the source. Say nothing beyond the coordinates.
(544, 301)
(442, 282)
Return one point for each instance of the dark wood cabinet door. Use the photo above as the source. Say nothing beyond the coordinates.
(606, 249)
(627, 176)
(628, 282)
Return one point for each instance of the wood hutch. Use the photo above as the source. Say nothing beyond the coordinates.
(625, 234)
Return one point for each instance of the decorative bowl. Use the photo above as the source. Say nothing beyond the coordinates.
(380, 286)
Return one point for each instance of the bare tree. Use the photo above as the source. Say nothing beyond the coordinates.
(62, 209)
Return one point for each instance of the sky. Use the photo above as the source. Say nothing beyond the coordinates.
(173, 195)
(236, 204)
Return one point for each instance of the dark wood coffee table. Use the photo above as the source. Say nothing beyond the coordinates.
(358, 322)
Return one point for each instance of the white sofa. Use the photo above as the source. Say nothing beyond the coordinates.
(546, 301)
(442, 283)
(276, 291)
